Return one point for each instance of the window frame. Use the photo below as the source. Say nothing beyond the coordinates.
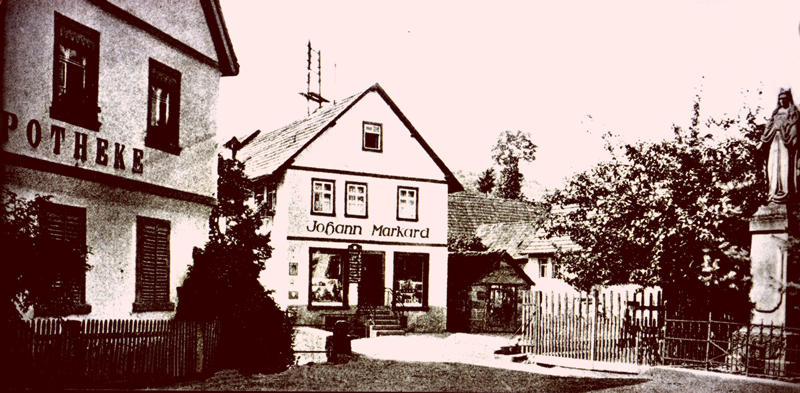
(416, 203)
(364, 146)
(347, 212)
(74, 306)
(141, 305)
(77, 108)
(164, 137)
(543, 268)
(344, 267)
(426, 266)
(266, 194)
(332, 213)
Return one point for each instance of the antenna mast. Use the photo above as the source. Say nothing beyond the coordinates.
(313, 96)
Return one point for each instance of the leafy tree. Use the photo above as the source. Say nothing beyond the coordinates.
(222, 284)
(465, 243)
(32, 268)
(672, 214)
(510, 149)
(486, 181)
(37, 264)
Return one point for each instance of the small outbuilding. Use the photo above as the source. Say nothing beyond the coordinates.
(485, 291)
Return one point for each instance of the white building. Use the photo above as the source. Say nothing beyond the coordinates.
(110, 107)
(354, 173)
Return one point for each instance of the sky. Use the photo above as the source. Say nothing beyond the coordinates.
(464, 71)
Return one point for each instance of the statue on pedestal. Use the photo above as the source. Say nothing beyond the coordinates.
(779, 143)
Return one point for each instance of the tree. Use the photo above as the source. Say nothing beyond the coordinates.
(222, 284)
(36, 265)
(672, 214)
(510, 149)
(486, 181)
(32, 270)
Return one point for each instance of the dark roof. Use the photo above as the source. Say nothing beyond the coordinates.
(468, 210)
(226, 58)
(504, 274)
(271, 152)
(507, 236)
(474, 267)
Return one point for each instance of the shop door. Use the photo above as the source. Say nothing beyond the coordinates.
(370, 289)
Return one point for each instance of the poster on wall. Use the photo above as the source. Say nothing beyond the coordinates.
(354, 259)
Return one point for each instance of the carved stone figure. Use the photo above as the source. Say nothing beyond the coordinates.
(779, 142)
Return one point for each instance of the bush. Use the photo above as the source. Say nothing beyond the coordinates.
(222, 284)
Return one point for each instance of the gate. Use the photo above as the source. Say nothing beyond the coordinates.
(763, 350)
(612, 327)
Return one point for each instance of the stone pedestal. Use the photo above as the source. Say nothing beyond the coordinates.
(769, 230)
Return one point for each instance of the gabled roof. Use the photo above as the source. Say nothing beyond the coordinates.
(496, 267)
(228, 64)
(507, 236)
(468, 210)
(270, 153)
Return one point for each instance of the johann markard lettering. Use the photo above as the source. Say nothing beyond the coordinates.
(394, 231)
(398, 231)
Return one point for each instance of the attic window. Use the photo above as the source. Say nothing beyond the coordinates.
(372, 137)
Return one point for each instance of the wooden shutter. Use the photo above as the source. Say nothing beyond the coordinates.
(152, 261)
(67, 224)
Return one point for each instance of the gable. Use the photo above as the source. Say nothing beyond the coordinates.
(340, 146)
(183, 20)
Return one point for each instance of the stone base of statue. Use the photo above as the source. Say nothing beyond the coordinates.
(769, 230)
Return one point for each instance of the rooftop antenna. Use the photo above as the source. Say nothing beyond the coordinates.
(313, 96)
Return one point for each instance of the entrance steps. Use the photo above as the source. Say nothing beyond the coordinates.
(384, 323)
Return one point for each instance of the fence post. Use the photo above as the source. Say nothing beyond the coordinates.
(708, 339)
(747, 352)
(199, 347)
(75, 350)
(594, 326)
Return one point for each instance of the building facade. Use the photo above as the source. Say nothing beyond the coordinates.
(109, 107)
(358, 206)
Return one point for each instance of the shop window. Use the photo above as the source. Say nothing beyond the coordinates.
(63, 232)
(411, 279)
(407, 203)
(372, 137)
(152, 265)
(76, 53)
(356, 205)
(163, 108)
(322, 197)
(327, 278)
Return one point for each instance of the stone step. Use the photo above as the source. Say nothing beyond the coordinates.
(393, 326)
(396, 332)
(383, 321)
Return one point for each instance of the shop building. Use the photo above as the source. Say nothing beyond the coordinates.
(358, 220)
(109, 107)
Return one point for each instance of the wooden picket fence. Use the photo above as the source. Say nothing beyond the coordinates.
(92, 352)
(619, 327)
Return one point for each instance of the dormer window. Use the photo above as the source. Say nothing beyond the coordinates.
(372, 137)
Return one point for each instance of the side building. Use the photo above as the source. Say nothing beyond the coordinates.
(358, 205)
(109, 107)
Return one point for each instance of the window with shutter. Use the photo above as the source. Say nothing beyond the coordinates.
(63, 232)
(152, 265)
